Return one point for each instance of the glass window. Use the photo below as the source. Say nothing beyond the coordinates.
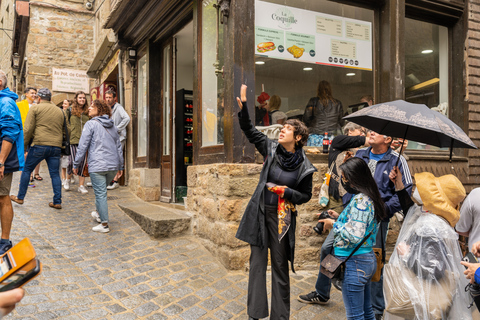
(166, 100)
(142, 107)
(301, 44)
(426, 68)
(212, 85)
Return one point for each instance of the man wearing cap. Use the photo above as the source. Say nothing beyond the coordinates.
(11, 156)
(43, 133)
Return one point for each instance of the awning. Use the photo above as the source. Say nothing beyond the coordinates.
(102, 56)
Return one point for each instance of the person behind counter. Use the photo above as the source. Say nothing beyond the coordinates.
(262, 117)
(278, 117)
(323, 113)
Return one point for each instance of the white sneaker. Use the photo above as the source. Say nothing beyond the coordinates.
(66, 184)
(115, 185)
(101, 228)
(72, 180)
(96, 216)
(82, 190)
(88, 184)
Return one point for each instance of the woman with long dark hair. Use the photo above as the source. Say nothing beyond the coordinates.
(269, 219)
(77, 118)
(359, 218)
(323, 114)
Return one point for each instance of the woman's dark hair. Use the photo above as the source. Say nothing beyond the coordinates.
(357, 173)
(324, 92)
(102, 108)
(299, 128)
(77, 109)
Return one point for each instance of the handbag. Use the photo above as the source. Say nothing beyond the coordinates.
(333, 267)
(380, 255)
(66, 139)
(324, 197)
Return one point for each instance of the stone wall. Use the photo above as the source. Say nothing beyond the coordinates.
(60, 38)
(7, 9)
(217, 197)
(145, 183)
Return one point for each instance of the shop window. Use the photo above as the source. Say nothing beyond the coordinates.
(142, 107)
(300, 43)
(426, 68)
(212, 82)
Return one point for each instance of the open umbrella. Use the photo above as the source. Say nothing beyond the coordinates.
(414, 122)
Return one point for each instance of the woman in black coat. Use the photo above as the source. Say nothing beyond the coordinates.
(269, 219)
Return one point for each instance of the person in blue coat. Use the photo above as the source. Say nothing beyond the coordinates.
(11, 156)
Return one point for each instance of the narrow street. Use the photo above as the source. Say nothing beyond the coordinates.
(125, 274)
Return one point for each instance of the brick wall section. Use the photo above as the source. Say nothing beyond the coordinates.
(473, 89)
(59, 39)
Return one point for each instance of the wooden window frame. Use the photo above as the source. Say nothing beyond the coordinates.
(139, 162)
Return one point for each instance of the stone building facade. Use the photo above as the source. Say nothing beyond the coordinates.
(59, 35)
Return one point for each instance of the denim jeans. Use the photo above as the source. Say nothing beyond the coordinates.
(357, 285)
(100, 180)
(324, 283)
(378, 301)
(35, 155)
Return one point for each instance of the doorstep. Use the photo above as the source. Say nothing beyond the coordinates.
(158, 220)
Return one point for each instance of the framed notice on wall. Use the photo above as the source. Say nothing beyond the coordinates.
(69, 80)
(290, 33)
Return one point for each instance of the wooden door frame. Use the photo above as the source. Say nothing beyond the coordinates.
(164, 159)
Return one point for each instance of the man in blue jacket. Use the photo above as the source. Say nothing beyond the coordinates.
(11, 156)
(381, 159)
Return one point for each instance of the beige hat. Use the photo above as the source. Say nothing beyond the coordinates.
(442, 195)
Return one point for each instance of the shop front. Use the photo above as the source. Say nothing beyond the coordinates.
(188, 60)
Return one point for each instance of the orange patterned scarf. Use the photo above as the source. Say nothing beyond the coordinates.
(284, 210)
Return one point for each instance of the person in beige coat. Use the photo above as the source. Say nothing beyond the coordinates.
(43, 136)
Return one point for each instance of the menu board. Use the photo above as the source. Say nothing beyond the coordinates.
(290, 33)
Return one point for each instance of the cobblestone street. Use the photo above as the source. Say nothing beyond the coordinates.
(125, 274)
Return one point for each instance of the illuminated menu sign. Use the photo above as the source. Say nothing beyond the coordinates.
(290, 33)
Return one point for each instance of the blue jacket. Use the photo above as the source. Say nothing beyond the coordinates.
(11, 130)
(100, 138)
(353, 224)
(385, 186)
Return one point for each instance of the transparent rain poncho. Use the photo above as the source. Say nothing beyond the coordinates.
(424, 278)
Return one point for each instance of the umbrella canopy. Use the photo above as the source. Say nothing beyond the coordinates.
(414, 122)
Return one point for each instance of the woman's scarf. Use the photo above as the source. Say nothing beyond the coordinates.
(288, 160)
(284, 210)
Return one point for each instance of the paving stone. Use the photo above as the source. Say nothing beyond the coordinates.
(88, 275)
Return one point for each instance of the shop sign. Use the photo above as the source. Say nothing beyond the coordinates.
(109, 67)
(69, 80)
(290, 33)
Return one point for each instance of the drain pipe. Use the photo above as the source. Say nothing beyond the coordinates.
(121, 100)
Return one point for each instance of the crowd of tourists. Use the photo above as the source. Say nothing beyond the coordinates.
(370, 180)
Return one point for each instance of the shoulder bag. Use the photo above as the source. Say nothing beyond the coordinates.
(333, 267)
(380, 255)
(66, 139)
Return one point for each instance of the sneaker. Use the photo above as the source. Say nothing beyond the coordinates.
(5, 245)
(72, 180)
(101, 228)
(115, 185)
(66, 184)
(82, 190)
(31, 185)
(96, 216)
(312, 297)
(88, 184)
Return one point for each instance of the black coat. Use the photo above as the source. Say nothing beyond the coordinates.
(252, 226)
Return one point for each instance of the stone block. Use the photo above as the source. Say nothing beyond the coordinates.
(306, 255)
(150, 178)
(41, 40)
(241, 187)
(254, 169)
(225, 235)
(209, 208)
(231, 169)
(231, 210)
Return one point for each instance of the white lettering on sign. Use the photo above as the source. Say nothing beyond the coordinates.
(69, 80)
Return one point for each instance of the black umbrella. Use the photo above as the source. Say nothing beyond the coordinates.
(414, 122)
